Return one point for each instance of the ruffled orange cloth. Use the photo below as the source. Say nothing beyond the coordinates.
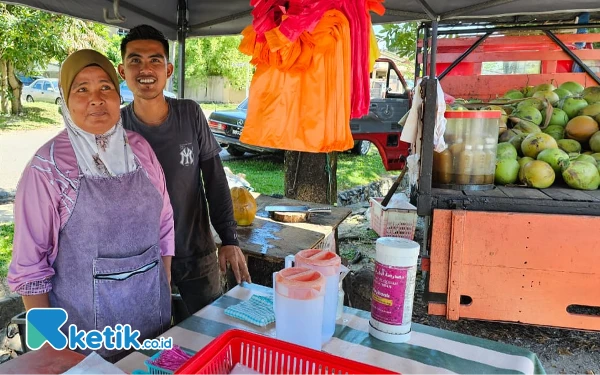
(300, 93)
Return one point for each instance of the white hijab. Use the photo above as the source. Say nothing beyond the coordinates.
(104, 155)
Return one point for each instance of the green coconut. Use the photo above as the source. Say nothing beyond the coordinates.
(507, 135)
(507, 171)
(550, 96)
(559, 117)
(595, 142)
(506, 150)
(555, 131)
(572, 106)
(528, 91)
(562, 93)
(581, 175)
(571, 86)
(516, 142)
(538, 174)
(569, 145)
(591, 94)
(586, 158)
(527, 127)
(513, 94)
(533, 144)
(543, 87)
(524, 160)
(529, 113)
(591, 110)
(596, 157)
(536, 103)
(553, 156)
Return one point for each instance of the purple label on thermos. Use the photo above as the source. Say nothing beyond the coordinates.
(390, 294)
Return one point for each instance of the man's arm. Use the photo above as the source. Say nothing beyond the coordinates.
(221, 217)
(167, 263)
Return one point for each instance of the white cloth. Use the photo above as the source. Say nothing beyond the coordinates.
(94, 364)
(414, 120)
(105, 155)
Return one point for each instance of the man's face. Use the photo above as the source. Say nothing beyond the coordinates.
(145, 68)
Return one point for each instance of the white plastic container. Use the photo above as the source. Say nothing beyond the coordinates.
(299, 298)
(329, 264)
(393, 289)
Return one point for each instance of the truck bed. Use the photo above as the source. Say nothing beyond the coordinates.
(558, 199)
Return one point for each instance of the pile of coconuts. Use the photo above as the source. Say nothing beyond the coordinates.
(547, 134)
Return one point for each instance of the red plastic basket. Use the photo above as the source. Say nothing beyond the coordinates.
(268, 356)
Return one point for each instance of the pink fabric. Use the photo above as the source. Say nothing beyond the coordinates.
(45, 198)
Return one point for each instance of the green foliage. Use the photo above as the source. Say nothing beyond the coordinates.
(6, 245)
(217, 56)
(113, 49)
(400, 38)
(30, 38)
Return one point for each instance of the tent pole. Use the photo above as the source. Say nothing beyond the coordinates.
(182, 31)
(424, 207)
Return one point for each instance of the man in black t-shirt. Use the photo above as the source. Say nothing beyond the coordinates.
(179, 134)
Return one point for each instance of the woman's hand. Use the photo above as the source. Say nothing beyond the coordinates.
(235, 257)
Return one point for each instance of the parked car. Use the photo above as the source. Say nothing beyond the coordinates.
(42, 90)
(226, 126)
(127, 95)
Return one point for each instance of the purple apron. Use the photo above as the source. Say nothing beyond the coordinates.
(109, 268)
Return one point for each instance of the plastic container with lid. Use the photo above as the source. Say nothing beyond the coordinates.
(298, 301)
(472, 138)
(329, 264)
(393, 289)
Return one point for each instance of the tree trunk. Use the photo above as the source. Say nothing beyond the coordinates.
(311, 177)
(16, 88)
(3, 87)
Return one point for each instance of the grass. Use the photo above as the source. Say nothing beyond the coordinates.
(35, 116)
(266, 175)
(218, 106)
(6, 245)
(355, 170)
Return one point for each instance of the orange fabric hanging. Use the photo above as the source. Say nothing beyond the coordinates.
(300, 94)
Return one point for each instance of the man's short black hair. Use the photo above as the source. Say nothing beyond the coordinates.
(144, 32)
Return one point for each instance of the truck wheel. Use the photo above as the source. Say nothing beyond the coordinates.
(231, 150)
(361, 148)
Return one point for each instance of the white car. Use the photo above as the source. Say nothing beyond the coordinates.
(42, 90)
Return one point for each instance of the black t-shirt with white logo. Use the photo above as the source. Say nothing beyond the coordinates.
(189, 156)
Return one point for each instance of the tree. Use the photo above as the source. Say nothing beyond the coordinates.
(216, 57)
(30, 39)
(400, 38)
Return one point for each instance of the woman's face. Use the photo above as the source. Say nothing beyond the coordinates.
(93, 101)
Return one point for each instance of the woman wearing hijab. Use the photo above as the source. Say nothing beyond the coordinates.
(93, 221)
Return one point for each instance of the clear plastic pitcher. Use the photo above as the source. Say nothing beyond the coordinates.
(327, 263)
(299, 297)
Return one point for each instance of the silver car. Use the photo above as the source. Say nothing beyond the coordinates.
(42, 90)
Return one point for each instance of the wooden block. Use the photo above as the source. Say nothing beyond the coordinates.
(290, 217)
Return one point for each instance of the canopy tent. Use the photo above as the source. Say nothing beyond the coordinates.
(218, 17)
(180, 19)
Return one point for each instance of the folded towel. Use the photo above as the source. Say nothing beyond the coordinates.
(258, 310)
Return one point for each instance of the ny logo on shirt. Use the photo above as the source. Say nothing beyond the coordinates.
(187, 155)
